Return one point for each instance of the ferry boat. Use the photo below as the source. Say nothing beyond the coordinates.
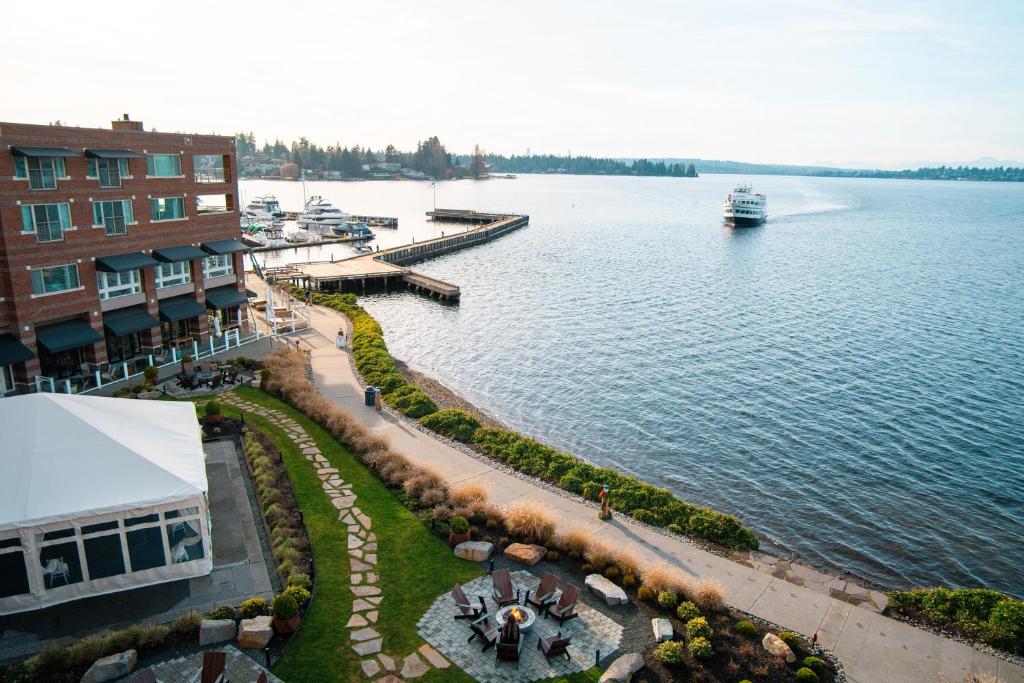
(744, 207)
(320, 216)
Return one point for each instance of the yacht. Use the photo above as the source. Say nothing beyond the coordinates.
(356, 230)
(268, 204)
(744, 207)
(320, 216)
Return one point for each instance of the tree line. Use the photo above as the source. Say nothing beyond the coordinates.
(585, 165)
(998, 174)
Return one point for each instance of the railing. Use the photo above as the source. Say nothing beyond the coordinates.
(49, 231)
(114, 225)
(212, 175)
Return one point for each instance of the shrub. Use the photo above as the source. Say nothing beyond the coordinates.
(467, 492)
(708, 594)
(186, 624)
(1008, 614)
(453, 423)
(254, 607)
(687, 611)
(285, 606)
(458, 525)
(646, 594)
(628, 580)
(700, 648)
(300, 594)
(301, 580)
(531, 519)
(746, 629)
(222, 612)
(492, 524)
(668, 599)
(153, 636)
(816, 665)
(411, 401)
(790, 638)
(665, 577)
(212, 409)
(551, 556)
(599, 553)
(151, 374)
(805, 675)
(670, 652)
(698, 628)
(675, 529)
(591, 489)
(432, 496)
(587, 568)
(611, 573)
(576, 540)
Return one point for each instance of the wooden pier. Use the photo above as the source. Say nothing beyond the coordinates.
(386, 271)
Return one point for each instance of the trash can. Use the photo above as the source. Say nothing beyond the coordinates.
(370, 396)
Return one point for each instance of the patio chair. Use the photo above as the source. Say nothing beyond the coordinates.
(56, 566)
(231, 376)
(544, 595)
(468, 609)
(216, 381)
(262, 677)
(503, 592)
(108, 374)
(144, 676)
(509, 644)
(207, 366)
(187, 382)
(188, 368)
(565, 608)
(214, 662)
(554, 646)
(486, 629)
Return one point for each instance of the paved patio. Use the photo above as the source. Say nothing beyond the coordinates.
(590, 632)
(239, 667)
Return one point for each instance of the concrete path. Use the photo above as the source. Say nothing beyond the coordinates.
(873, 648)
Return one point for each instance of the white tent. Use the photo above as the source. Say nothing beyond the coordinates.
(98, 495)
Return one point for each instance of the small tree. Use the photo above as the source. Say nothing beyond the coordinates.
(151, 374)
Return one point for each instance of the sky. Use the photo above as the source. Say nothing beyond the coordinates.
(884, 84)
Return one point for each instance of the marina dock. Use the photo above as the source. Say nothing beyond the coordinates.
(386, 270)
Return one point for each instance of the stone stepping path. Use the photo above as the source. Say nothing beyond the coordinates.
(366, 641)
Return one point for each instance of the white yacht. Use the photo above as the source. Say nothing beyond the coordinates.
(353, 230)
(268, 204)
(320, 216)
(744, 207)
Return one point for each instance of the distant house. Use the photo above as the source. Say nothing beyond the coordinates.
(415, 175)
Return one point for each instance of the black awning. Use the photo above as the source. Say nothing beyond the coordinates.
(119, 263)
(221, 247)
(20, 151)
(124, 321)
(179, 308)
(224, 297)
(12, 350)
(175, 254)
(66, 335)
(112, 154)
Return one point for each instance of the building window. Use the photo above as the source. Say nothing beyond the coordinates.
(6, 383)
(163, 165)
(47, 221)
(54, 279)
(171, 274)
(113, 216)
(168, 208)
(217, 266)
(112, 285)
(42, 172)
(108, 171)
(209, 168)
(13, 575)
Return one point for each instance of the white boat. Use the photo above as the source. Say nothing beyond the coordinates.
(363, 249)
(353, 230)
(268, 204)
(745, 207)
(296, 237)
(320, 216)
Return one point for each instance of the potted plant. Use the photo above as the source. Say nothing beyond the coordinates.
(212, 413)
(458, 530)
(151, 374)
(286, 613)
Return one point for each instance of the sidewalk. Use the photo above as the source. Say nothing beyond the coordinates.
(873, 648)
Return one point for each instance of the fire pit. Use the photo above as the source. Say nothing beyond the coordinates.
(524, 615)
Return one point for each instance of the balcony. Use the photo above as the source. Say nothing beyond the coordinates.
(49, 231)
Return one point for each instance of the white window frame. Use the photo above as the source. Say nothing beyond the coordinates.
(126, 208)
(6, 379)
(164, 154)
(211, 271)
(57, 291)
(34, 228)
(180, 273)
(120, 288)
(184, 215)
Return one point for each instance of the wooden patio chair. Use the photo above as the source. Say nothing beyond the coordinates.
(544, 595)
(554, 646)
(486, 629)
(231, 376)
(214, 662)
(503, 592)
(216, 381)
(187, 382)
(509, 644)
(262, 678)
(144, 676)
(466, 607)
(565, 608)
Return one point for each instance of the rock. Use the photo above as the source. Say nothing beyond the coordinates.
(368, 647)
(881, 600)
(623, 668)
(774, 645)
(433, 656)
(255, 633)
(662, 629)
(474, 551)
(413, 666)
(370, 667)
(527, 554)
(612, 594)
(216, 631)
(149, 395)
(109, 668)
(387, 662)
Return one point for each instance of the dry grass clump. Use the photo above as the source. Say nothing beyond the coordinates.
(432, 496)
(708, 594)
(627, 561)
(417, 484)
(467, 492)
(575, 540)
(664, 577)
(532, 520)
(599, 554)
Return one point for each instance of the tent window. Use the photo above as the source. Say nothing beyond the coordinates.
(142, 520)
(93, 528)
(146, 548)
(54, 535)
(11, 542)
(60, 564)
(184, 512)
(103, 556)
(185, 541)
(13, 576)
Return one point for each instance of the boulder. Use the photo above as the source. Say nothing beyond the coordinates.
(474, 551)
(109, 668)
(216, 631)
(774, 645)
(255, 633)
(623, 668)
(527, 554)
(605, 589)
(880, 600)
(662, 629)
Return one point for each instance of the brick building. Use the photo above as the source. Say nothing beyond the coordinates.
(114, 245)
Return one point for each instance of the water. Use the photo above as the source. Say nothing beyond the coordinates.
(848, 378)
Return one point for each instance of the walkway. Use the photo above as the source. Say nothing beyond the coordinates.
(873, 648)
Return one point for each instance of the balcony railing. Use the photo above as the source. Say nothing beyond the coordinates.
(213, 175)
(49, 231)
(42, 179)
(115, 225)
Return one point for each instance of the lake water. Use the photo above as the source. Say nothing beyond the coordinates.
(847, 378)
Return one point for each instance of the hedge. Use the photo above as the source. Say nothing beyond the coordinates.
(984, 614)
(453, 423)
